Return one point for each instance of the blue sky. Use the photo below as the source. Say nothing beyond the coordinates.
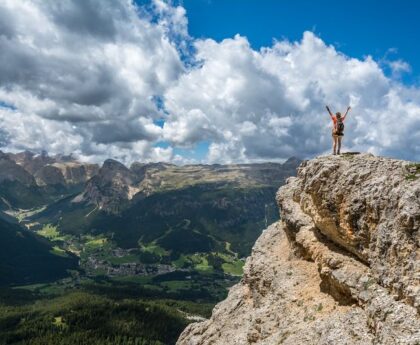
(383, 29)
(386, 30)
(108, 79)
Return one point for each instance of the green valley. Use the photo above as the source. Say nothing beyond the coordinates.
(124, 255)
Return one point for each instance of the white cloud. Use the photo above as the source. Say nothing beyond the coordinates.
(398, 67)
(84, 77)
(88, 70)
(270, 104)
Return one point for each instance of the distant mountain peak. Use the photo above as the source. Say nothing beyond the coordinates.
(113, 164)
(293, 160)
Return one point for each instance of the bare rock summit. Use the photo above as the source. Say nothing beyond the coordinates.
(341, 267)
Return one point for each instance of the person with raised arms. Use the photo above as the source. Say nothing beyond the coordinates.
(338, 129)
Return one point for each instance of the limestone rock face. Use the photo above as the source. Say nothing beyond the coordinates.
(30, 161)
(369, 207)
(112, 187)
(76, 173)
(10, 171)
(65, 173)
(49, 175)
(57, 170)
(341, 267)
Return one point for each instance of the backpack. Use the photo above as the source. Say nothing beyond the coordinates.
(339, 127)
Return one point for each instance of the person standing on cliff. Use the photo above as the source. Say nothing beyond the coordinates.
(338, 129)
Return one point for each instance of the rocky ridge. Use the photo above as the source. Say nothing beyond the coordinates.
(54, 170)
(45, 170)
(111, 188)
(341, 267)
(11, 171)
(65, 173)
(115, 185)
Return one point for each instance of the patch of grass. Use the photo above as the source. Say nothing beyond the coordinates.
(413, 171)
(58, 322)
(201, 263)
(319, 307)
(22, 214)
(50, 231)
(415, 166)
(96, 242)
(154, 249)
(58, 251)
(233, 268)
(182, 262)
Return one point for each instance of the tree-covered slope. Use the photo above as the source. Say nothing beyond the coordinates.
(27, 258)
(193, 219)
(87, 319)
(182, 210)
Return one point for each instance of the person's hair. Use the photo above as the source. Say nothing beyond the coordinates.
(338, 114)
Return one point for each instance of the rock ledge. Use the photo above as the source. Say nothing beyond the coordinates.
(341, 267)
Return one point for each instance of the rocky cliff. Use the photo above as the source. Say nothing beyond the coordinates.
(65, 173)
(10, 171)
(341, 267)
(114, 187)
(45, 170)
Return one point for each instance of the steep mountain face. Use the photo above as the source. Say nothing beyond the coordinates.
(111, 188)
(28, 180)
(26, 258)
(58, 170)
(341, 267)
(65, 173)
(18, 188)
(30, 161)
(10, 171)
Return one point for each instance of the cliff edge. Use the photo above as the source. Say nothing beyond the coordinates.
(341, 267)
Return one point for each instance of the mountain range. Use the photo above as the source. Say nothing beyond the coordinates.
(162, 215)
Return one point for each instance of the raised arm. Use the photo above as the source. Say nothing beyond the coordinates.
(348, 109)
(329, 111)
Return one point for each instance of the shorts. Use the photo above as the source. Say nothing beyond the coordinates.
(335, 135)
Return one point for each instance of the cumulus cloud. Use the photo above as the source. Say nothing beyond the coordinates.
(270, 104)
(96, 77)
(83, 74)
